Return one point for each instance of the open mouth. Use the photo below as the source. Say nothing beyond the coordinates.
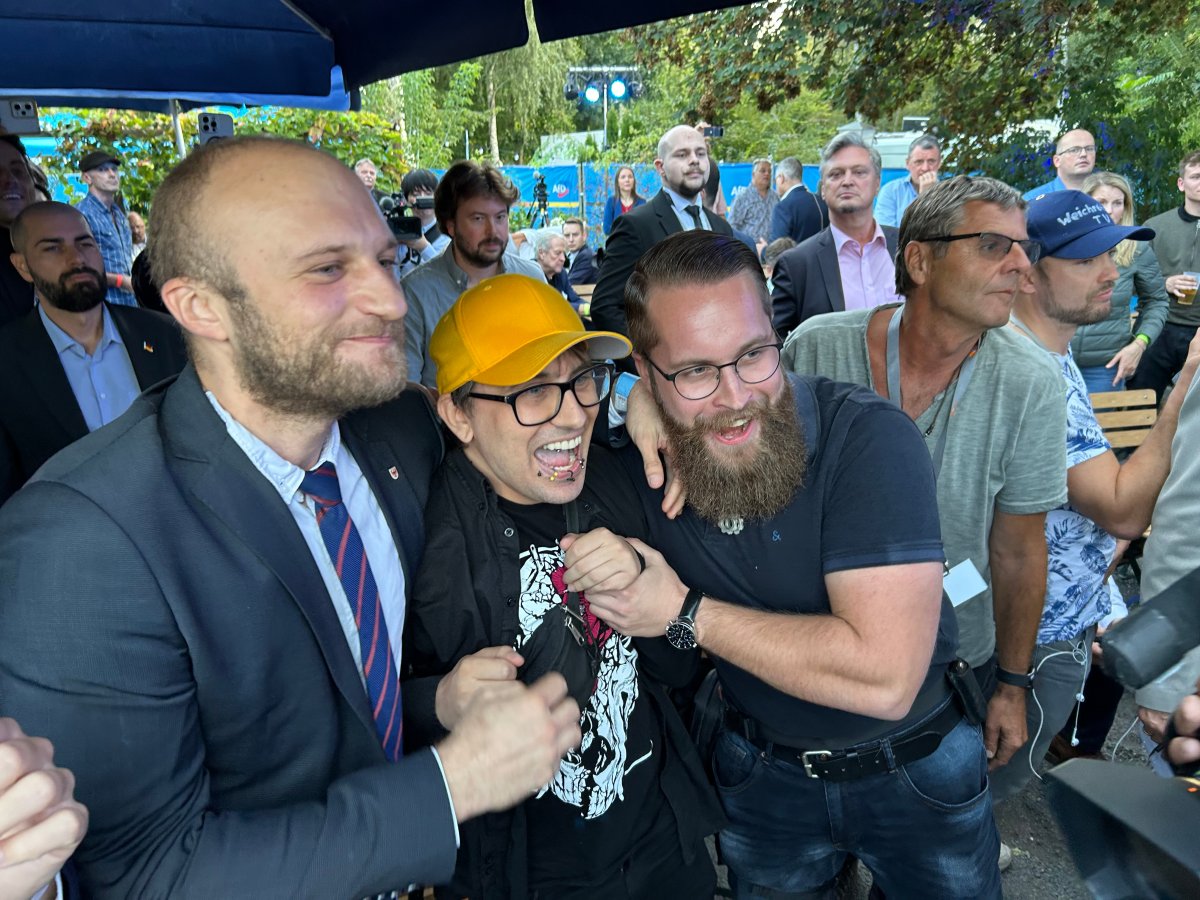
(560, 460)
(736, 433)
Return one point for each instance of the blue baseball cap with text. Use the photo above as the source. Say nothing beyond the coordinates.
(1072, 225)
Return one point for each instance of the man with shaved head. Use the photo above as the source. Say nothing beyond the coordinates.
(201, 605)
(682, 164)
(75, 362)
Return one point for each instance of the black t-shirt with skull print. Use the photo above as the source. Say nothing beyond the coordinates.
(606, 794)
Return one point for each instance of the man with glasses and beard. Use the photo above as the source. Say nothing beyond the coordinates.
(523, 523)
(809, 567)
(471, 204)
(74, 362)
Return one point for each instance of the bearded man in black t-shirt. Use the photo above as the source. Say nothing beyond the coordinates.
(516, 537)
(808, 564)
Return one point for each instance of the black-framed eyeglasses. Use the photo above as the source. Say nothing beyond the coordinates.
(994, 246)
(539, 403)
(697, 382)
(1089, 149)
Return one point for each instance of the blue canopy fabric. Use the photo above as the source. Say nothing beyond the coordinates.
(178, 48)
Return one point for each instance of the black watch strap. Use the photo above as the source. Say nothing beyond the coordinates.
(1016, 679)
(691, 603)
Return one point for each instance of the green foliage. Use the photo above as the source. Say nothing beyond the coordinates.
(146, 142)
(432, 109)
(527, 100)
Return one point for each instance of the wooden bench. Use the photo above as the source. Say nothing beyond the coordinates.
(1125, 416)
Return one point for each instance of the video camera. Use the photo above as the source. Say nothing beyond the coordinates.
(1130, 832)
(405, 224)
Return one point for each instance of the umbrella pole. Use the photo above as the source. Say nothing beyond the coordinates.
(180, 147)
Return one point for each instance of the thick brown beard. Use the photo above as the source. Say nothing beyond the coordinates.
(757, 485)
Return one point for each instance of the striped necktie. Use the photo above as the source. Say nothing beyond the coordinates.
(349, 558)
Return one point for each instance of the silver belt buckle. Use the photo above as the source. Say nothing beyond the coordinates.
(812, 756)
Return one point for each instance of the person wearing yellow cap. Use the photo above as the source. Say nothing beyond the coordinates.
(520, 383)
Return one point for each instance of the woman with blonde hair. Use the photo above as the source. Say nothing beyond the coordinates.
(1108, 352)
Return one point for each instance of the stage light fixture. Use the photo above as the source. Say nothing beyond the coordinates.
(617, 88)
(571, 88)
(592, 92)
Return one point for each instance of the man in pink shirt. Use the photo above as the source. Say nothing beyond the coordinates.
(850, 264)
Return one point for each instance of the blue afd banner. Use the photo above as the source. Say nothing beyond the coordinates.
(583, 190)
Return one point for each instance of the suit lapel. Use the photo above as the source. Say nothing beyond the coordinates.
(222, 479)
(831, 273)
(147, 364)
(48, 377)
(390, 483)
(667, 220)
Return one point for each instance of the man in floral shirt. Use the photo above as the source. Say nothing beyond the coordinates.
(1071, 285)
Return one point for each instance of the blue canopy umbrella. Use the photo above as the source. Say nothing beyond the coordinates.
(276, 47)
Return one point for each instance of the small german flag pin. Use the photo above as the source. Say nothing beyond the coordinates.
(147, 346)
(395, 473)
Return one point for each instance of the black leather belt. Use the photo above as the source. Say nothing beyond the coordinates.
(870, 758)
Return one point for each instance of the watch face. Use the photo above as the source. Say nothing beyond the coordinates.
(681, 635)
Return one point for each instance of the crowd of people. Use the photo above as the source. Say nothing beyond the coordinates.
(386, 557)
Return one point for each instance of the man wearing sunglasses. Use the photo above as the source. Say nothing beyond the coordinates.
(1074, 158)
(990, 407)
(522, 523)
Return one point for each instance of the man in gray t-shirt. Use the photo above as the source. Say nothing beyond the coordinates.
(991, 408)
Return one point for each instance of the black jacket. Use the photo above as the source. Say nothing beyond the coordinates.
(633, 234)
(39, 414)
(467, 597)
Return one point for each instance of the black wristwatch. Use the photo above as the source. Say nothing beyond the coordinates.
(681, 630)
(1016, 679)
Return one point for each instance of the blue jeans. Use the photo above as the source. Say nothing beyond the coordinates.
(1099, 379)
(925, 830)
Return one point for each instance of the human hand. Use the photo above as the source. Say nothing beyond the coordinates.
(1005, 730)
(471, 675)
(1178, 284)
(418, 244)
(1189, 364)
(646, 607)
(925, 181)
(1154, 721)
(508, 744)
(41, 823)
(644, 425)
(1186, 748)
(1126, 360)
(599, 560)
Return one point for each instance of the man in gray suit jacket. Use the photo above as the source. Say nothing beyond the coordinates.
(176, 613)
(849, 265)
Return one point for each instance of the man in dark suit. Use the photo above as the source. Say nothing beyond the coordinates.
(849, 265)
(201, 605)
(799, 214)
(74, 362)
(581, 262)
(682, 165)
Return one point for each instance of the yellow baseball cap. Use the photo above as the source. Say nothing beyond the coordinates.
(507, 329)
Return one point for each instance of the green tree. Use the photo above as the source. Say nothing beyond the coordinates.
(522, 94)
